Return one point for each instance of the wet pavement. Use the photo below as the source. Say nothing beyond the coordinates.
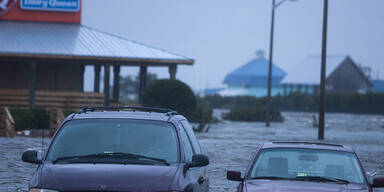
(230, 145)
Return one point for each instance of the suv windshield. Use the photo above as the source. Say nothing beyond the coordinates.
(138, 139)
(308, 165)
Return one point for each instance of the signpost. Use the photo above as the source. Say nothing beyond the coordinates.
(51, 5)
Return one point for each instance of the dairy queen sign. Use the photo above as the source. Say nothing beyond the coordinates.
(51, 5)
(5, 5)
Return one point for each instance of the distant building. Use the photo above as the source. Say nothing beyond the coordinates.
(212, 91)
(378, 86)
(342, 75)
(251, 79)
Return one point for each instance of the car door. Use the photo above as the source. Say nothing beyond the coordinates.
(202, 182)
(192, 175)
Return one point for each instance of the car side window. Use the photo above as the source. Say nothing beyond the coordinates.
(186, 144)
(192, 137)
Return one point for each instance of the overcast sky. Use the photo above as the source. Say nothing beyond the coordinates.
(222, 35)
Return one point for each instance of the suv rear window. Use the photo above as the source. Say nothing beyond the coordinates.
(92, 136)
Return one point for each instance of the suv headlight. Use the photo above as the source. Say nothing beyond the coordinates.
(42, 190)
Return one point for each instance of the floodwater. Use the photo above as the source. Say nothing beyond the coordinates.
(15, 174)
(230, 145)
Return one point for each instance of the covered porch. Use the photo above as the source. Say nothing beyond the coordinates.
(44, 63)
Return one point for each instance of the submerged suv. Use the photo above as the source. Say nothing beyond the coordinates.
(121, 149)
(303, 166)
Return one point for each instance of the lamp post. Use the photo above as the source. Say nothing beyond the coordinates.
(269, 100)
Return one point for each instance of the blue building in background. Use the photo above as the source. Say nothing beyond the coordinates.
(343, 75)
(378, 86)
(251, 79)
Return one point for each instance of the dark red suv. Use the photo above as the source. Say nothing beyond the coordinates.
(304, 166)
(121, 149)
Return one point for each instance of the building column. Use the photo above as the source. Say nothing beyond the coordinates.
(106, 84)
(143, 82)
(97, 69)
(116, 83)
(82, 77)
(299, 88)
(32, 84)
(285, 89)
(172, 71)
(315, 90)
(291, 89)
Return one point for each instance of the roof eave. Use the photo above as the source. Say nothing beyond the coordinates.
(150, 61)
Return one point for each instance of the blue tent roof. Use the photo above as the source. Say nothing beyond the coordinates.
(378, 85)
(255, 72)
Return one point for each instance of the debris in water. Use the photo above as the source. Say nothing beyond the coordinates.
(315, 123)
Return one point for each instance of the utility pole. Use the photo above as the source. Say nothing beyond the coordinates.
(323, 69)
(269, 100)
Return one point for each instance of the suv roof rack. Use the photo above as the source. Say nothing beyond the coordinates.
(306, 143)
(128, 108)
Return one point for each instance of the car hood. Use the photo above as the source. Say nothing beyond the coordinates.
(298, 186)
(106, 177)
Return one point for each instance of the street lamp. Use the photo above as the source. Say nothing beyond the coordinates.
(268, 108)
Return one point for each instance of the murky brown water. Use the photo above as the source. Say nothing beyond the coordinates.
(230, 145)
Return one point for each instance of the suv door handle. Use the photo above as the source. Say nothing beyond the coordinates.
(201, 180)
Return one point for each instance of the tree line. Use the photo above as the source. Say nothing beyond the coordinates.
(371, 103)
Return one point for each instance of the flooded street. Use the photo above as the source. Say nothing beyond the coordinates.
(15, 174)
(230, 145)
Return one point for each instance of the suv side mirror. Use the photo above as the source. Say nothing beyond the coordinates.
(198, 160)
(31, 156)
(378, 182)
(234, 176)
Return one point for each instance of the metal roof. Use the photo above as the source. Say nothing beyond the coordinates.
(254, 72)
(74, 41)
(308, 71)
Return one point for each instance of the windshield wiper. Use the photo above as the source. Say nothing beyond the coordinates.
(90, 156)
(323, 178)
(111, 154)
(273, 178)
(131, 155)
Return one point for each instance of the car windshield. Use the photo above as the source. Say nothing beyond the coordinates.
(146, 138)
(308, 164)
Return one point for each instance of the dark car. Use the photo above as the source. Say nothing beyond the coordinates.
(121, 149)
(303, 166)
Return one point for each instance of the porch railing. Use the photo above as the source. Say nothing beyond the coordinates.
(50, 99)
